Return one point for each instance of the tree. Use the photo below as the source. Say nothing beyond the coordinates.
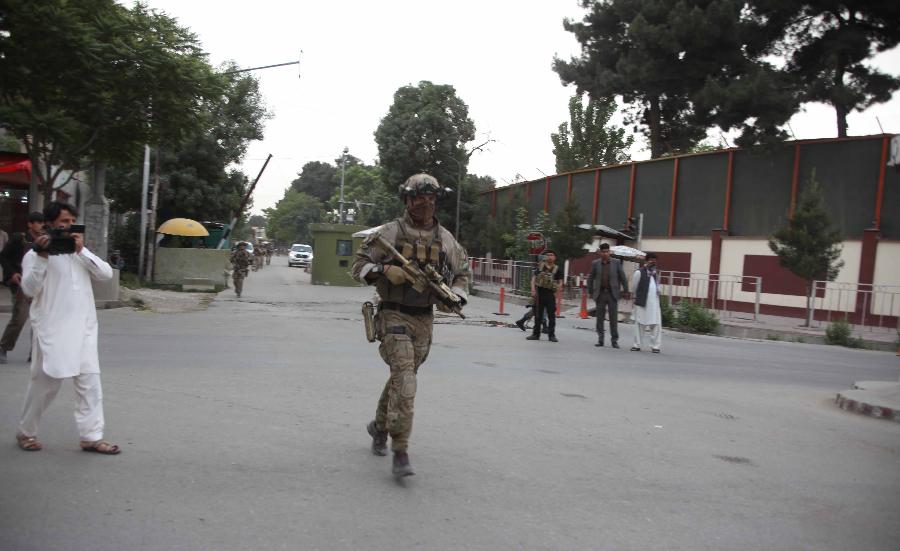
(290, 218)
(680, 67)
(569, 239)
(586, 140)
(257, 220)
(364, 192)
(809, 246)
(194, 171)
(92, 81)
(827, 44)
(425, 127)
(317, 179)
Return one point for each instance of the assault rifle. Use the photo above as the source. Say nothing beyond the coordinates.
(423, 278)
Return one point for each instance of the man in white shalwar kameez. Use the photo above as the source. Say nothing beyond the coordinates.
(64, 322)
(647, 313)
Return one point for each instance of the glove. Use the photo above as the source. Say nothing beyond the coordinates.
(396, 275)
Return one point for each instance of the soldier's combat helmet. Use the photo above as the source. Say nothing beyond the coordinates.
(423, 183)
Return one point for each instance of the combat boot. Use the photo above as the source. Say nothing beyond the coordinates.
(401, 466)
(379, 439)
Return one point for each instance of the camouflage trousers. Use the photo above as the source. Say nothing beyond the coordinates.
(405, 342)
(238, 278)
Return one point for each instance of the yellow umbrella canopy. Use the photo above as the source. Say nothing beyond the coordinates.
(183, 226)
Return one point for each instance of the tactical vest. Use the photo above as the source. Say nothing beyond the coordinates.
(420, 252)
(545, 277)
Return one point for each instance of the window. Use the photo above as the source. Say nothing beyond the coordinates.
(344, 247)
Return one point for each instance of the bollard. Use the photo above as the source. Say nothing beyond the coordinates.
(559, 305)
(502, 300)
(584, 312)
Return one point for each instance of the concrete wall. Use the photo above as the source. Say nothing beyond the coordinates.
(106, 293)
(173, 266)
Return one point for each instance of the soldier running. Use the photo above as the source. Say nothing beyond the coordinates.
(240, 263)
(405, 316)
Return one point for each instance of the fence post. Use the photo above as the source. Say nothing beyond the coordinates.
(812, 304)
(758, 292)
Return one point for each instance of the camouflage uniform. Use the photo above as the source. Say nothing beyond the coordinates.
(405, 317)
(240, 262)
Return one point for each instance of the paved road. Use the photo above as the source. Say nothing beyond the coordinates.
(243, 428)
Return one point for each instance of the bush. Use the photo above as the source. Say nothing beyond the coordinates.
(668, 314)
(838, 333)
(694, 318)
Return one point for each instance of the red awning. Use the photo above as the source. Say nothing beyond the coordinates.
(15, 168)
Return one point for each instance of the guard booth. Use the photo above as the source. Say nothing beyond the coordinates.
(334, 249)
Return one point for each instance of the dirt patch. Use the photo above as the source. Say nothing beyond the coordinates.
(166, 302)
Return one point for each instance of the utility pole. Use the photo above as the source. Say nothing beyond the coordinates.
(343, 164)
(145, 184)
(151, 253)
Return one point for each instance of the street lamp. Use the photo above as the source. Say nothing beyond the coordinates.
(343, 164)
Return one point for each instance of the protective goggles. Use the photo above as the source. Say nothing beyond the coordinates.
(425, 189)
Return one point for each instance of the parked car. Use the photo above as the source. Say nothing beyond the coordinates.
(300, 255)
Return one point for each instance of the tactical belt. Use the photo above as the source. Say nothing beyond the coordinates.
(411, 310)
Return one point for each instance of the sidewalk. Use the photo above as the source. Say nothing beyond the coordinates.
(736, 324)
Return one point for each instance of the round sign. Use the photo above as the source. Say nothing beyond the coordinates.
(536, 242)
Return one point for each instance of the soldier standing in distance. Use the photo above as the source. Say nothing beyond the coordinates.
(240, 264)
(405, 317)
(545, 283)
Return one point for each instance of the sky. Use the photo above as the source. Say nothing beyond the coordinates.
(498, 55)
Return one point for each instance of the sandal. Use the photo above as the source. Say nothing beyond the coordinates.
(100, 446)
(28, 443)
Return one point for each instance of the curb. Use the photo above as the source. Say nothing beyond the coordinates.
(865, 408)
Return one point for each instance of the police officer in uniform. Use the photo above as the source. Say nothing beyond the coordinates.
(405, 317)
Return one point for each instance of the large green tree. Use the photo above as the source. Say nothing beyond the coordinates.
(588, 139)
(196, 172)
(425, 127)
(364, 193)
(91, 81)
(809, 245)
(317, 179)
(290, 218)
(828, 43)
(680, 67)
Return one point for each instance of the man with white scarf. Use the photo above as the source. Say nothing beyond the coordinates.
(64, 321)
(647, 312)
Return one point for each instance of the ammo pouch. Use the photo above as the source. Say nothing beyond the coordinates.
(368, 312)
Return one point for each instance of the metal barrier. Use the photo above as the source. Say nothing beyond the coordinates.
(862, 304)
(514, 275)
(725, 294)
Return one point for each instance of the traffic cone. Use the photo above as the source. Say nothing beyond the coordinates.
(584, 312)
(502, 301)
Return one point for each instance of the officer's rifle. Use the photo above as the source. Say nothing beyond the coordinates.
(423, 278)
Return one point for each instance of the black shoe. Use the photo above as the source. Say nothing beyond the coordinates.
(401, 465)
(2, 356)
(615, 344)
(533, 338)
(655, 350)
(521, 325)
(379, 439)
(553, 339)
(635, 349)
(599, 343)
